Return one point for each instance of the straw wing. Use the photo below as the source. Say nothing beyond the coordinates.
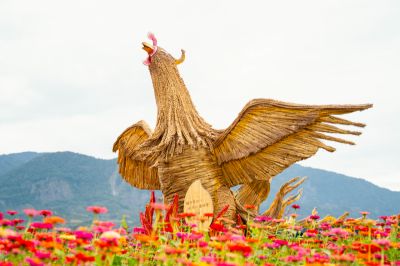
(269, 136)
(136, 172)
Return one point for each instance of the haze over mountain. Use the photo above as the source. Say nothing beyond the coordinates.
(67, 182)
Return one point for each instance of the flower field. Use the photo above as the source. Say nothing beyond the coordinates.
(166, 237)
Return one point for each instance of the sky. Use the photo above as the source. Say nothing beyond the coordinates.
(72, 78)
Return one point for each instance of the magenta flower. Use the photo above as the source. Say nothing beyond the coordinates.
(139, 230)
(261, 219)
(34, 262)
(12, 212)
(42, 255)
(97, 209)
(39, 225)
(5, 222)
(84, 235)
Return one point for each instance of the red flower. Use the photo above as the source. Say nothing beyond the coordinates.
(97, 209)
(296, 206)
(314, 217)
(12, 212)
(186, 214)
(250, 206)
(218, 227)
(172, 250)
(244, 249)
(45, 213)
(84, 258)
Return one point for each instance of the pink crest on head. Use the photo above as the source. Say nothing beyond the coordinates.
(151, 36)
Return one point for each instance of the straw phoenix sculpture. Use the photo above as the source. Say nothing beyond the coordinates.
(267, 137)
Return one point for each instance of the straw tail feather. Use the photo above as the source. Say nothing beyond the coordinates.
(268, 136)
(278, 206)
(136, 172)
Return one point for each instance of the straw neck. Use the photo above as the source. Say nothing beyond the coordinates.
(178, 122)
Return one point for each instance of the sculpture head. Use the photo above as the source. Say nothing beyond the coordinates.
(157, 56)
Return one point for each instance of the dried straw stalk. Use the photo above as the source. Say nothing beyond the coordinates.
(267, 137)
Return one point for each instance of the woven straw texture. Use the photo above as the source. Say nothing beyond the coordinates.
(267, 137)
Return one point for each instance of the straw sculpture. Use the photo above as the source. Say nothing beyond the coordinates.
(267, 137)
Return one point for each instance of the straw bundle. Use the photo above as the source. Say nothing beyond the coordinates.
(267, 137)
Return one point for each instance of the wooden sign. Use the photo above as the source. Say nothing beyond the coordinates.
(199, 202)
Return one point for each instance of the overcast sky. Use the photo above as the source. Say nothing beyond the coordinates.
(72, 78)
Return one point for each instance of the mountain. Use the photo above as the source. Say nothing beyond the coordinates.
(333, 193)
(11, 161)
(67, 182)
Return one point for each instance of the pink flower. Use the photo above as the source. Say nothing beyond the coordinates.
(97, 209)
(64, 229)
(31, 212)
(364, 213)
(338, 232)
(292, 258)
(99, 229)
(209, 259)
(382, 242)
(195, 236)
(106, 224)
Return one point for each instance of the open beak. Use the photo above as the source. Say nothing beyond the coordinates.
(148, 48)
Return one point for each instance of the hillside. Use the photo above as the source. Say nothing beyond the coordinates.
(11, 161)
(333, 193)
(67, 182)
